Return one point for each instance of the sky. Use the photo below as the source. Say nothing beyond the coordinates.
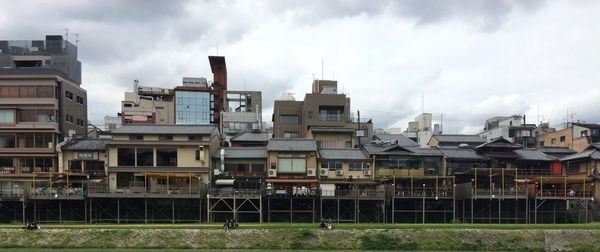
(461, 60)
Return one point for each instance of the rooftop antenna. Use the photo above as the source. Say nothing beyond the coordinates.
(244, 83)
(322, 67)
(422, 103)
(538, 117)
(217, 47)
(67, 33)
(76, 39)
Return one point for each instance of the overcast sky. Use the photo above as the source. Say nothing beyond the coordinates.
(469, 59)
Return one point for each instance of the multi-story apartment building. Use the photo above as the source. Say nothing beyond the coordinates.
(323, 115)
(147, 105)
(243, 112)
(513, 128)
(577, 136)
(41, 103)
(194, 103)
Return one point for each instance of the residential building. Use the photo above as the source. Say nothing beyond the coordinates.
(250, 139)
(323, 112)
(159, 160)
(442, 140)
(513, 128)
(41, 103)
(194, 104)
(420, 130)
(577, 136)
(243, 112)
(147, 105)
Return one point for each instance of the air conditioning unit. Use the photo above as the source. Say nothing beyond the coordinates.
(324, 172)
(339, 173)
(272, 173)
(217, 172)
(311, 172)
(367, 172)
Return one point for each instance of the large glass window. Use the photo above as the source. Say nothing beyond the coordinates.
(26, 164)
(7, 116)
(291, 165)
(145, 157)
(6, 165)
(258, 167)
(94, 167)
(7, 141)
(290, 134)
(45, 92)
(75, 166)
(43, 164)
(166, 157)
(27, 91)
(126, 156)
(288, 118)
(43, 140)
(192, 107)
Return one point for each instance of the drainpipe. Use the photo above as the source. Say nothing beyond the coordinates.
(60, 153)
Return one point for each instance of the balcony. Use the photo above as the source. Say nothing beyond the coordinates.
(509, 190)
(424, 192)
(231, 193)
(12, 194)
(60, 193)
(563, 187)
(160, 191)
(353, 193)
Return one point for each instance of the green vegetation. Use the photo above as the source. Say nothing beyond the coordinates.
(573, 237)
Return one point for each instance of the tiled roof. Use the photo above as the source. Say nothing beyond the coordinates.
(499, 143)
(459, 138)
(533, 155)
(588, 125)
(462, 153)
(292, 144)
(590, 153)
(243, 152)
(402, 140)
(251, 137)
(343, 154)
(165, 129)
(332, 129)
(554, 150)
(86, 144)
(388, 149)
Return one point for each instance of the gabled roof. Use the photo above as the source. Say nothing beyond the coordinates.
(292, 144)
(533, 155)
(388, 149)
(86, 144)
(556, 150)
(402, 140)
(462, 153)
(343, 154)
(243, 152)
(165, 129)
(251, 137)
(593, 146)
(457, 138)
(499, 143)
(588, 153)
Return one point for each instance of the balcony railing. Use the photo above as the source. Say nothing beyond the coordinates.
(11, 193)
(586, 192)
(535, 172)
(58, 193)
(146, 191)
(291, 192)
(353, 193)
(230, 192)
(509, 190)
(427, 192)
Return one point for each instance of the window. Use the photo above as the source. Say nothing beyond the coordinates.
(288, 119)
(27, 91)
(136, 137)
(127, 105)
(290, 135)
(126, 157)
(26, 164)
(80, 100)
(69, 118)
(43, 140)
(75, 166)
(553, 141)
(7, 116)
(43, 165)
(195, 138)
(291, 165)
(331, 113)
(7, 141)
(562, 139)
(9, 92)
(584, 133)
(45, 91)
(165, 138)
(69, 95)
(257, 167)
(94, 167)
(337, 166)
(166, 157)
(145, 157)
(358, 166)
(542, 143)
(7, 165)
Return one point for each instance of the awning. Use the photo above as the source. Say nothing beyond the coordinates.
(224, 181)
